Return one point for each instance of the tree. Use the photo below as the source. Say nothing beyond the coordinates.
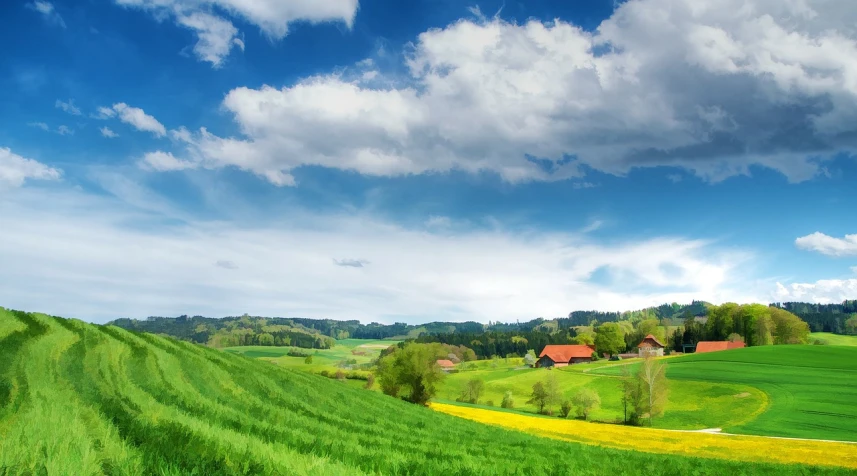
(632, 395)
(585, 401)
(609, 338)
(413, 370)
(472, 391)
(539, 397)
(565, 409)
(653, 327)
(851, 324)
(370, 381)
(308, 360)
(763, 333)
(652, 377)
(545, 395)
(530, 358)
(734, 337)
(584, 338)
(508, 401)
(788, 328)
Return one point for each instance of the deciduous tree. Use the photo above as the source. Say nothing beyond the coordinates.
(652, 377)
(412, 370)
(585, 401)
(609, 338)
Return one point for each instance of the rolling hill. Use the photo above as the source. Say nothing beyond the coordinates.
(83, 399)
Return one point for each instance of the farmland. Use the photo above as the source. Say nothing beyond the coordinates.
(361, 351)
(811, 389)
(83, 399)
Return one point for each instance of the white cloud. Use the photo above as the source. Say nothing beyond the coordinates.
(48, 12)
(826, 291)
(107, 132)
(164, 162)
(64, 130)
(40, 125)
(595, 225)
(829, 245)
(107, 269)
(660, 83)
(15, 170)
(216, 35)
(68, 107)
(105, 113)
(136, 117)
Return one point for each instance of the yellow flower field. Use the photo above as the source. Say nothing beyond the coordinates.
(743, 448)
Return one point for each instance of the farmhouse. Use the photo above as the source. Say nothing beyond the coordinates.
(446, 365)
(650, 346)
(562, 355)
(715, 346)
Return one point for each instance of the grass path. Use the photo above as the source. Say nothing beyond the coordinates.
(680, 442)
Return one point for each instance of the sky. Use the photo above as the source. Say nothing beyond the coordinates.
(426, 160)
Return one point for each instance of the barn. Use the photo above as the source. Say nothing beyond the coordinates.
(650, 346)
(563, 355)
(446, 365)
(716, 346)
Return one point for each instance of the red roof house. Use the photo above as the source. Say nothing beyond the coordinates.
(446, 364)
(650, 346)
(716, 346)
(562, 355)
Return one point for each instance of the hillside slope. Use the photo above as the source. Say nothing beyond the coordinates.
(84, 399)
(811, 388)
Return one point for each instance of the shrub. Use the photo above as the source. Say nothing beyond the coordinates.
(584, 401)
(565, 409)
(594, 356)
(324, 373)
(308, 359)
(370, 381)
(490, 403)
(507, 402)
(340, 375)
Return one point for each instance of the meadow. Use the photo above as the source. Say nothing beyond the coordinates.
(828, 338)
(811, 389)
(362, 351)
(697, 406)
(82, 399)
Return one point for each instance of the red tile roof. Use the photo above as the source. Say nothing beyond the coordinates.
(564, 353)
(649, 341)
(445, 363)
(715, 346)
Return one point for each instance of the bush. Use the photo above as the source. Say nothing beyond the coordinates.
(308, 359)
(370, 381)
(507, 402)
(490, 403)
(324, 373)
(595, 356)
(297, 353)
(819, 342)
(565, 409)
(584, 401)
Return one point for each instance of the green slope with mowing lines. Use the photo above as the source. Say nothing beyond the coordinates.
(812, 389)
(83, 399)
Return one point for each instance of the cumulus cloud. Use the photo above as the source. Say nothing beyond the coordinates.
(164, 162)
(215, 32)
(15, 170)
(107, 132)
(107, 269)
(135, 117)
(68, 106)
(48, 12)
(829, 245)
(826, 291)
(659, 83)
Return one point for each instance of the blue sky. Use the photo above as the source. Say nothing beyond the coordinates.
(424, 160)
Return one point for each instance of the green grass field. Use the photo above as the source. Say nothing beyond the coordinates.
(82, 399)
(833, 339)
(322, 359)
(691, 407)
(812, 389)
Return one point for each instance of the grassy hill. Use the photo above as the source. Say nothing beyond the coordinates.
(833, 339)
(812, 389)
(82, 399)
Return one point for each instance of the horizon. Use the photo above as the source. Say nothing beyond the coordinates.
(424, 162)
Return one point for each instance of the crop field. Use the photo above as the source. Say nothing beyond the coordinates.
(746, 448)
(812, 389)
(833, 339)
(692, 407)
(83, 399)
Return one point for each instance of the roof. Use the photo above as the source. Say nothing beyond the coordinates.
(649, 340)
(564, 353)
(445, 363)
(714, 346)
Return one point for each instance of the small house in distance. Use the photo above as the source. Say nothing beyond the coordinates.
(716, 346)
(446, 365)
(650, 346)
(563, 355)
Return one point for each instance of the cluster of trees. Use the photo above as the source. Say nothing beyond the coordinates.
(833, 318)
(754, 324)
(411, 372)
(502, 343)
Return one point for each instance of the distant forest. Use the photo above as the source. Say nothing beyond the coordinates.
(493, 338)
